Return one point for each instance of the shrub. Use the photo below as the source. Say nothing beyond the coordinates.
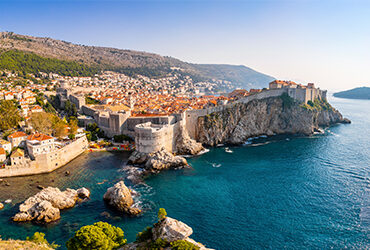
(145, 235)
(158, 244)
(287, 100)
(39, 238)
(162, 214)
(183, 245)
(310, 103)
(101, 235)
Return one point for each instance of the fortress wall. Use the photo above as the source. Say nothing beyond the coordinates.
(86, 110)
(133, 121)
(152, 137)
(191, 116)
(49, 162)
(79, 101)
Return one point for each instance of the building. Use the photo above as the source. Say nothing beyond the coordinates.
(299, 92)
(17, 139)
(2, 155)
(17, 157)
(7, 146)
(39, 144)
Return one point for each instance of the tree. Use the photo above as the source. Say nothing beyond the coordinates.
(9, 115)
(59, 128)
(39, 238)
(100, 235)
(70, 108)
(42, 122)
(162, 214)
(73, 125)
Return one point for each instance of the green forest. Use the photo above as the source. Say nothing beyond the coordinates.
(30, 63)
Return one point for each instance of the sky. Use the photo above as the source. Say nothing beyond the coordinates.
(322, 41)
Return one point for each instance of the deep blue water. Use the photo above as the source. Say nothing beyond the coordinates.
(279, 192)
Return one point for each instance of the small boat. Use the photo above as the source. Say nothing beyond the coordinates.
(227, 150)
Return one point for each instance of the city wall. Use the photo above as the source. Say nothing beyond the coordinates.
(152, 137)
(191, 116)
(46, 163)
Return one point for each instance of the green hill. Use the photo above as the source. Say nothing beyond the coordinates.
(356, 93)
(46, 54)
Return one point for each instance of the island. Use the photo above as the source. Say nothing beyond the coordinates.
(356, 93)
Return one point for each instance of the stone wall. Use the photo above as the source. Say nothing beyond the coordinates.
(45, 163)
(191, 116)
(151, 137)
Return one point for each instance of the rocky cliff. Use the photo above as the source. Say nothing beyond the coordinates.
(275, 115)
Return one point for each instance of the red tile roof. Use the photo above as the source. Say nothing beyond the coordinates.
(17, 134)
(39, 137)
(2, 151)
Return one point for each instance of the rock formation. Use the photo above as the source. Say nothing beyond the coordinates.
(171, 230)
(119, 197)
(163, 159)
(185, 145)
(264, 117)
(168, 230)
(45, 206)
(157, 161)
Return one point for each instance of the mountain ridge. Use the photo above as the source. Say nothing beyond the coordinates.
(132, 61)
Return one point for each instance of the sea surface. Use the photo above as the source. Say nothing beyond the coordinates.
(279, 192)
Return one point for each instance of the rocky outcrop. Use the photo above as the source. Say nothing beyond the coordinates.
(119, 197)
(185, 145)
(269, 116)
(45, 206)
(168, 230)
(171, 230)
(163, 159)
(157, 161)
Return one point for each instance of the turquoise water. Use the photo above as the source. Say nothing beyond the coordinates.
(278, 192)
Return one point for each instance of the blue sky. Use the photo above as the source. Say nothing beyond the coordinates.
(327, 42)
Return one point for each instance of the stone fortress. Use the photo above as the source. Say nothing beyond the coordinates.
(154, 132)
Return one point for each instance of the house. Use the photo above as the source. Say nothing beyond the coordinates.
(40, 144)
(7, 146)
(17, 138)
(2, 155)
(17, 157)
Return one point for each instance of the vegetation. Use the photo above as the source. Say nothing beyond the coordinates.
(318, 105)
(41, 101)
(48, 123)
(287, 100)
(145, 235)
(162, 214)
(158, 244)
(9, 115)
(121, 138)
(70, 109)
(90, 100)
(100, 235)
(39, 238)
(183, 245)
(30, 63)
(93, 132)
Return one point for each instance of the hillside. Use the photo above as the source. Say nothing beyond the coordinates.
(129, 62)
(356, 93)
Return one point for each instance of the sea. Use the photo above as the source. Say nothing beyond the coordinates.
(277, 192)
